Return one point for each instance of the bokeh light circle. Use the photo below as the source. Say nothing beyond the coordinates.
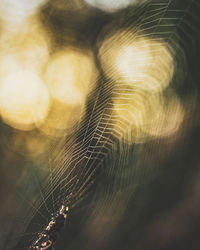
(24, 99)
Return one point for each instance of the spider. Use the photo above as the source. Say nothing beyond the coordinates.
(47, 238)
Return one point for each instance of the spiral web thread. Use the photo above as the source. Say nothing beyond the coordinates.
(98, 141)
(97, 138)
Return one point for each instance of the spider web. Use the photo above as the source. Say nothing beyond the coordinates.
(98, 146)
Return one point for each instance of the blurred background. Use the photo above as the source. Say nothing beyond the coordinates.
(99, 109)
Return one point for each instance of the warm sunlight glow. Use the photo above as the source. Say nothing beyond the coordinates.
(111, 5)
(137, 60)
(29, 46)
(70, 76)
(148, 115)
(168, 119)
(15, 11)
(62, 119)
(24, 99)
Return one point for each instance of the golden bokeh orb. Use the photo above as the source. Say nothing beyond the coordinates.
(24, 99)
